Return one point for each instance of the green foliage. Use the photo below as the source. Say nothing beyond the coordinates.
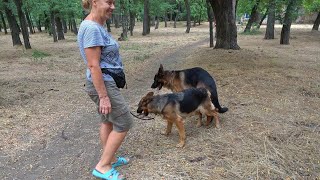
(39, 55)
(311, 5)
(198, 9)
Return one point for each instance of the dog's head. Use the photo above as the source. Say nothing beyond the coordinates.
(158, 80)
(143, 104)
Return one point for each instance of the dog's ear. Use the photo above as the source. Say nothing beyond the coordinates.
(160, 69)
(150, 94)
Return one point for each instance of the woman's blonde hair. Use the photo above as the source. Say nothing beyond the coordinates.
(86, 4)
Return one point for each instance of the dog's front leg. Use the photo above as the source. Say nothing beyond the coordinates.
(169, 128)
(182, 133)
(199, 123)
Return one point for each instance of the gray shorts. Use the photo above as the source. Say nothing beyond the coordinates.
(120, 115)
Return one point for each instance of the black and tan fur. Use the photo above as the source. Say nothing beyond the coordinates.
(174, 107)
(178, 80)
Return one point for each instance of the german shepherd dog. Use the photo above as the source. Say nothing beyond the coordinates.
(174, 107)
(178, 80)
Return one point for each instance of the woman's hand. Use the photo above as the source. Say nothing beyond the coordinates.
(105, 105)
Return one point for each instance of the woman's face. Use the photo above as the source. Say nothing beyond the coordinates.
(105, 8)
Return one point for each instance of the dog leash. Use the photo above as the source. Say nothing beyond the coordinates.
(142, 118)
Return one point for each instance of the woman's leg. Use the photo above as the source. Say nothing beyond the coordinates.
(111, 146)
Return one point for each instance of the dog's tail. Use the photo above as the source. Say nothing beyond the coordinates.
(216, 104)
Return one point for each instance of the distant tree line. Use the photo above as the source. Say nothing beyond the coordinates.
(57, 17)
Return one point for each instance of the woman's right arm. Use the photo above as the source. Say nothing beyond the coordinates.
(93, 56)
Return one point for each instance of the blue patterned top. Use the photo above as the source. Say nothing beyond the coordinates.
(92, 34)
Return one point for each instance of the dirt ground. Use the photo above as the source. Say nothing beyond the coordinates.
(49, 127)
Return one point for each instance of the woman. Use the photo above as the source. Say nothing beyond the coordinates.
(100, 51)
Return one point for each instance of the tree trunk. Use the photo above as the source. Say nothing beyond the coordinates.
(226, 29)
(157, 23)
(132, 22)
(116, 21)
(108, 23)
(285, 31)
(74, 26)
(271, 20)
(46, 23)
(64, 24)
(13, 25)
(165, 20)
(124, 26)
(39, 25)
(59, 27)
(262, 19)
(210, 19)
(53, 27)
(23, 24)
(4, 23)
(316, 23)
(31, 30)
(146, 19)
(188, 15)
(253, 16)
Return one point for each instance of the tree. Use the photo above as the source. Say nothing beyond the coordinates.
(146, 18)
(187, 3)
(315, 26)
(23, 24)
(312, 6)
(210, 19)
(271, 20)
(289, 15)
(12, 24)
(3, 22)
(253, 16)
(224, 13)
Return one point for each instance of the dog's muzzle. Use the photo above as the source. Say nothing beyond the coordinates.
(156, 85)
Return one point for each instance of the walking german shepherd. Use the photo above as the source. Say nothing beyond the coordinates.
(174, 107)
(178, 80)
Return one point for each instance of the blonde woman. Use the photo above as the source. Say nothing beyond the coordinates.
(101, 52)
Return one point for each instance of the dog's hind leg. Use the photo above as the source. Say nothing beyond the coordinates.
(209, 120)
(168, 129)
(199, 122)
(216, 118)
(182, 133)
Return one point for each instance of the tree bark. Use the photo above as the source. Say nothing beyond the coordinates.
(53, 27)
(316, 23)
(271, 20)
(132, 22)
(23, 24)
(157, 23)
(285, 31)
(146, 19)
(226, 29)
(116, 21)
(188, 15)
(210, 19)
(165, 20)
(262, 19)
(4, 23)
(13, 25)
(64, 24)
(108, 23)
(74, 26)
(59, 27)
(253, 16)
(31, 30)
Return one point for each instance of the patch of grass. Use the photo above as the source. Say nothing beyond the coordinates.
(39, 55)
(141, 57)
(252, 32)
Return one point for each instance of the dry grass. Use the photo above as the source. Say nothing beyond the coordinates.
(271, 130)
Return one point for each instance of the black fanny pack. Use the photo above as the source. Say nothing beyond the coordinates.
(119, 77)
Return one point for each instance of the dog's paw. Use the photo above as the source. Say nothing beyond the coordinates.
(180, 145)
(165, 132)
(199, 124)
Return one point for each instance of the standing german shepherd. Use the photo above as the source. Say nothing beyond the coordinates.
(179, 80)
(176, 106)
